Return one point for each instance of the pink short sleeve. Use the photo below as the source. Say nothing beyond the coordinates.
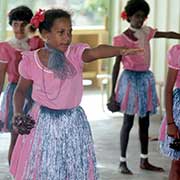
(36, 42)
(117, 41)
(25, 66)
(174, 57)
(151, 32)
(80, 49)
(3, 53)
(74, 53)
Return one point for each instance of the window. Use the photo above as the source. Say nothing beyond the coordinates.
(84, 12)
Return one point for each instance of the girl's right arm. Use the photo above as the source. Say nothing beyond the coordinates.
(171, 78)
(3, 68)
(115, 73)
(22, 124)
(105, 51)
(19, 94)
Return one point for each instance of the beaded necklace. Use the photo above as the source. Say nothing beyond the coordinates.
(61, 67)
(61, 82)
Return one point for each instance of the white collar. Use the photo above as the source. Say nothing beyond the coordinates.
(19, 44)
(144, 29)
(141, 33)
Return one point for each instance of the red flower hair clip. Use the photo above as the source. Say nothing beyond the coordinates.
(124, 15)
(38, 18)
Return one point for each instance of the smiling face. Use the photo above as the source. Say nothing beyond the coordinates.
(137, 19)
(19, 28)
(60, 35)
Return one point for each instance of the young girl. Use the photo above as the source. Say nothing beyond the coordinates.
(10, 56)
(60, 146)
(171, 122)
(136, 91)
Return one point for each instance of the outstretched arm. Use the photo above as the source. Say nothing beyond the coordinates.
(171, 78)
(170, 34)
(105, 51)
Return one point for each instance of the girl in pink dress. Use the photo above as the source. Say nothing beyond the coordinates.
(10, 56)
(60, 146)
(171, 123)
(135, 91)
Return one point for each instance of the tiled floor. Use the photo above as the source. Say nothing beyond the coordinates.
(105, 128)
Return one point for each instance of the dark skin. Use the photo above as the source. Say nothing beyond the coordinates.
(3, 68)
(136, 21)
(172, 130)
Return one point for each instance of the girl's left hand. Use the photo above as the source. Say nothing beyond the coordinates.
(113, 105)
(173, 131)
(23, 124)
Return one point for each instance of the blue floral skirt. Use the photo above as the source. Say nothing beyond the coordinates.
(60, 147)
(136, 93)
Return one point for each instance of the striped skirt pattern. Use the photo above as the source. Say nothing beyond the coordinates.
(165, 140)
(6, 111)
(136, 93)
(60, 147)
(6, 107)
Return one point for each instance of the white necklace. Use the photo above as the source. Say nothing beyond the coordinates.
(20, 44)
(61, 82)
(141, 34)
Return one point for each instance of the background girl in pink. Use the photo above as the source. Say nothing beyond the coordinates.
(60, 146)
(135, 93)
(171, 123)
(10, 56)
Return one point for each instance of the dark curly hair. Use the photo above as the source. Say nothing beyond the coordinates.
(133, 6)
(20, 13)
(50, 16)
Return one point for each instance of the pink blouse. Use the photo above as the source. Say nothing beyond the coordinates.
(48, 90)
(12, 56)
(174, 61)
(140, 62)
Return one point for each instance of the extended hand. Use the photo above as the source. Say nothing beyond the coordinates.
(113, 105)
(131, 51)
